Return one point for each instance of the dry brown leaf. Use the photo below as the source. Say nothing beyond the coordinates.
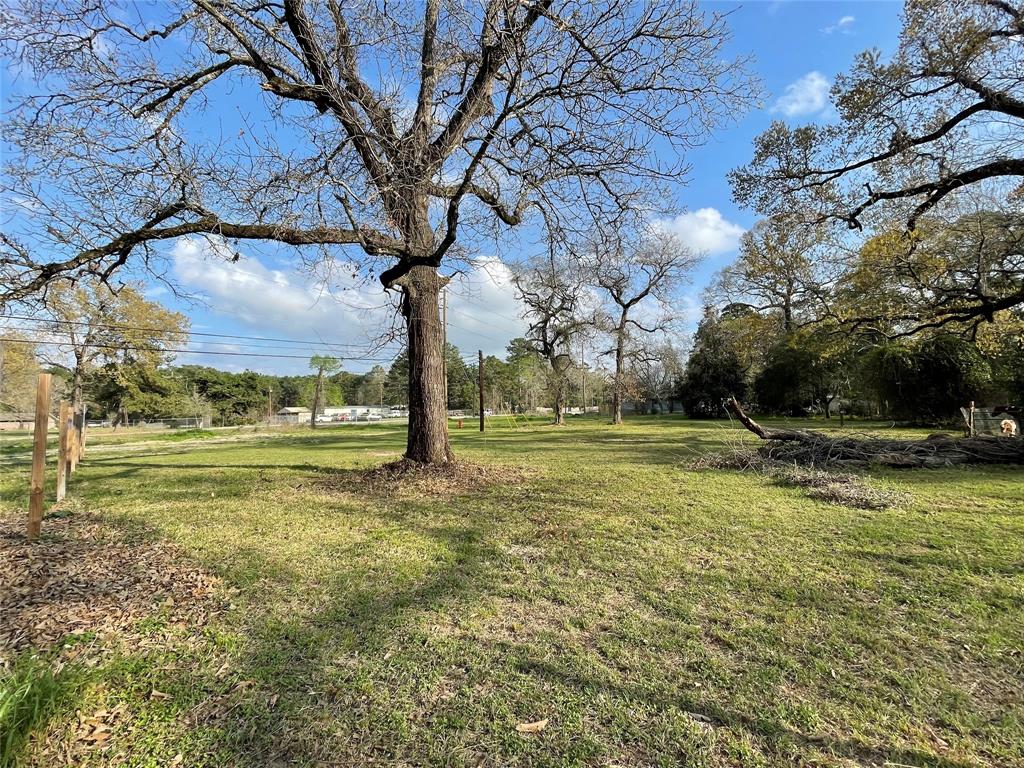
(88, 578)
(535, 727)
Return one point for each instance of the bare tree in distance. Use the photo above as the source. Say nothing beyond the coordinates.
(551, 290)
(631, 270)
(378, 135)
(655, 369)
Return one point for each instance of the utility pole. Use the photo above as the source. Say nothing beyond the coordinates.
(480, 384)
(270, 403)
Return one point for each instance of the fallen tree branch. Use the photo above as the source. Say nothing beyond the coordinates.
(799, 435)
(813, 448)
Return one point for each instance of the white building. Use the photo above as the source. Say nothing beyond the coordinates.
(357, 412)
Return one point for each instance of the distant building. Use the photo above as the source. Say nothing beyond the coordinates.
(357, 412)
(293, 415)
(12, 420)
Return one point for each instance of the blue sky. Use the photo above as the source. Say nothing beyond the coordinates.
(798, 48)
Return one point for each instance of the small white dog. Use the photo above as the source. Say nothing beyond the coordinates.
(1008, 427)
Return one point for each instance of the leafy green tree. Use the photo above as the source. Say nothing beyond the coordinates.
(1002, 345)
(18, 370)
(395, 381)
(322, 364)
(775, 273)
(461, 384)
(927, 379)
(713, 371)
(236, 398)
(946, 274)
(136, 389)
(95, 327)
(931, 132)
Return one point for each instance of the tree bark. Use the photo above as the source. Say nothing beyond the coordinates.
(78, 403)
(560, 402)
(316, 397)
(617, 389)
(76, 387)
(797, 435)
(428, 419)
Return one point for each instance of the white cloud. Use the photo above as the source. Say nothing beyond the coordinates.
(707, 231)
(806, 96)
(482, 311)
(844, 26)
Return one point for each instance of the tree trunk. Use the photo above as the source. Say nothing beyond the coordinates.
(78, 403)
(76, 390)
(560, 402)
(620, 354)
(316, 397)
(428, 419)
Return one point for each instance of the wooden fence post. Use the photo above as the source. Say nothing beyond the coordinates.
(35, 499)
(62, 451)
(80, 421)
(72, 448)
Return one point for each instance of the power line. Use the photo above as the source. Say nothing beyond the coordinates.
(477, 319)
(164, 331)
(118, 347)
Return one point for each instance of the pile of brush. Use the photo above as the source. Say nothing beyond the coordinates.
(813, 448)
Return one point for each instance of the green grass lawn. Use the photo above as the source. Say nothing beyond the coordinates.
(653, 614)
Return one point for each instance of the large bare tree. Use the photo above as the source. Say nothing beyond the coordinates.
(384, 131)
(629, 271)
(551, 290)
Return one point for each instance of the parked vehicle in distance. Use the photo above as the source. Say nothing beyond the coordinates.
(373, 417)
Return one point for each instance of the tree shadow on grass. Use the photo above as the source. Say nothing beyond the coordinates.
(309, 666)
(904, 564)
(777, 737)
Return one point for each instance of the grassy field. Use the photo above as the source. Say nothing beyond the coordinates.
(652, 614)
